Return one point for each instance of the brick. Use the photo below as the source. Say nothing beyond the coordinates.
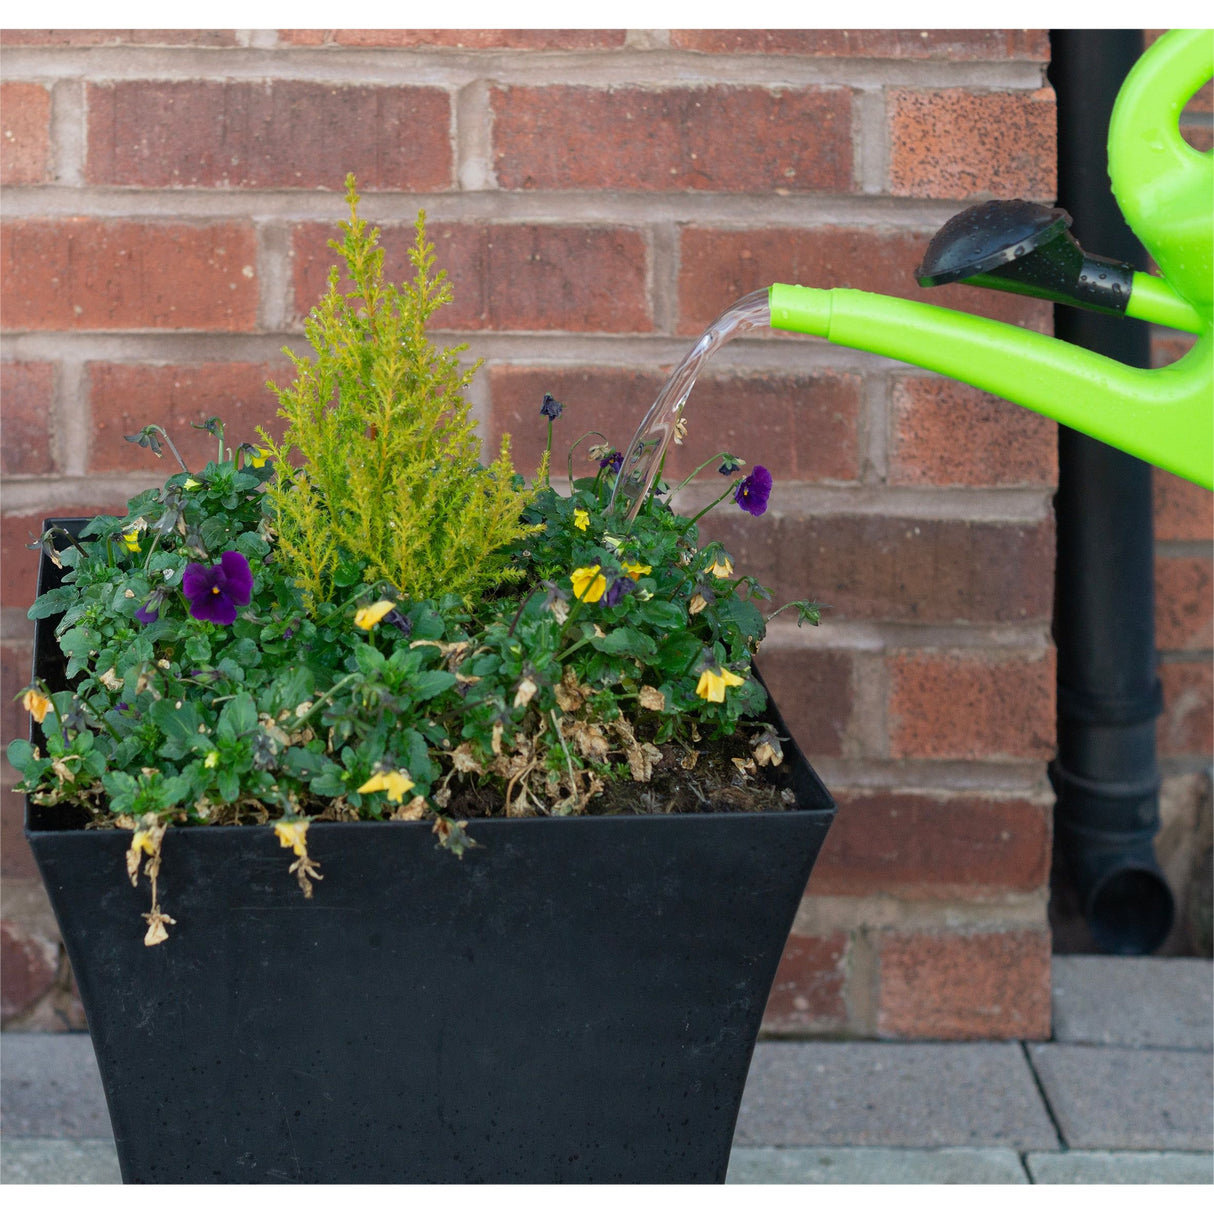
(761, 418)
(19, 567)
(25, 153)
(815, 689)
(1183, 510)
(1186, 726)
(1199, 138)
(672, 139)
(16, 665)
(971, 705)
(951, 45)
(30, 966)
(920, 846)
(1184, 603)
(882, 567)
(810, 985)
(126, 397)
(475, 40)
(266, 135)
(947, 433)
(23, 37)
(28, 391)
(510, 276)
(717, 266)
(1168, 346)
(77, 274)
(960, 143)
(16, 859)
(959, 987)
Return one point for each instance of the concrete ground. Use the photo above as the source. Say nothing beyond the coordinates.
(1122, 1094)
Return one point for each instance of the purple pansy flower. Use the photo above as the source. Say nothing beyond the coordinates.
(551, 408)
(616, 591)
(613, 461)
(216, 591)
(753, 491)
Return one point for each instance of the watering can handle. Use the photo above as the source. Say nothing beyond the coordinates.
(1162, 185)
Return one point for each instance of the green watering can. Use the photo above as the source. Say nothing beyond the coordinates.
(1165, 190)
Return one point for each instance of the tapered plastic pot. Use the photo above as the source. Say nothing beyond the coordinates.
(576, 1000)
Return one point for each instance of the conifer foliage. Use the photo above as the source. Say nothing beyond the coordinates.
(391, 484)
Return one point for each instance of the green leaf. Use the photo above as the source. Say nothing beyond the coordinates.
(198, 649)
(228, 783)
(53, 602)
(677, 652)
(625, 642)
(239, 716)
(20, 752)
(663, 615)
(429, 683)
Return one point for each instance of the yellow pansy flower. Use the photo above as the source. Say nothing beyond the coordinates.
(36, 704)
(712, 684)
(394, 783)
(130, 541)
(258, 457)
(581, 519)
(635, 571)
(191, 483)
(293, 835)
(589, 584)
(368, 617)
(721, 567)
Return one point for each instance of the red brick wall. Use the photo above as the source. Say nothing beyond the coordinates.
(598, 197)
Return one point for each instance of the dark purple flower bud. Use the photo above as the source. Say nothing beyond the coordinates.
(551, 408)
(753, 491)
(149, 613)
(730, 466)
(216, 591)
(612, 461)
(401, 622)
(617, 590)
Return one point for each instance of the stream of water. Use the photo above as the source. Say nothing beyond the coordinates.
(643, 457)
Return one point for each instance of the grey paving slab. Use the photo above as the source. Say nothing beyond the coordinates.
(890, 1094)
(1121, 1167)
(59, 1161)
(874, 1165)
(50, 1087)
(1164, 1002)
(1115, 1098)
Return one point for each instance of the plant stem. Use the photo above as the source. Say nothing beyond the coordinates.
(691, 522)
(712, 459)
(173, 449)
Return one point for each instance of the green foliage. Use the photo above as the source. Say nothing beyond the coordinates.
(422, 632)
(391, 484)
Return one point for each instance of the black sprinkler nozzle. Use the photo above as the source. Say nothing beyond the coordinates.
(1026, 248)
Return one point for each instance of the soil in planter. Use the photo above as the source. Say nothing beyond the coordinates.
(715, 784)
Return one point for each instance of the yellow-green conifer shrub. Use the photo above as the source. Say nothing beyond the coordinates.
(378, 472)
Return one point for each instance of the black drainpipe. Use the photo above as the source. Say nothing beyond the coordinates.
(1105, 776)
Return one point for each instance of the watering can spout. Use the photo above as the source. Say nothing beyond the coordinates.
(1163, 187)
(1165, 416)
